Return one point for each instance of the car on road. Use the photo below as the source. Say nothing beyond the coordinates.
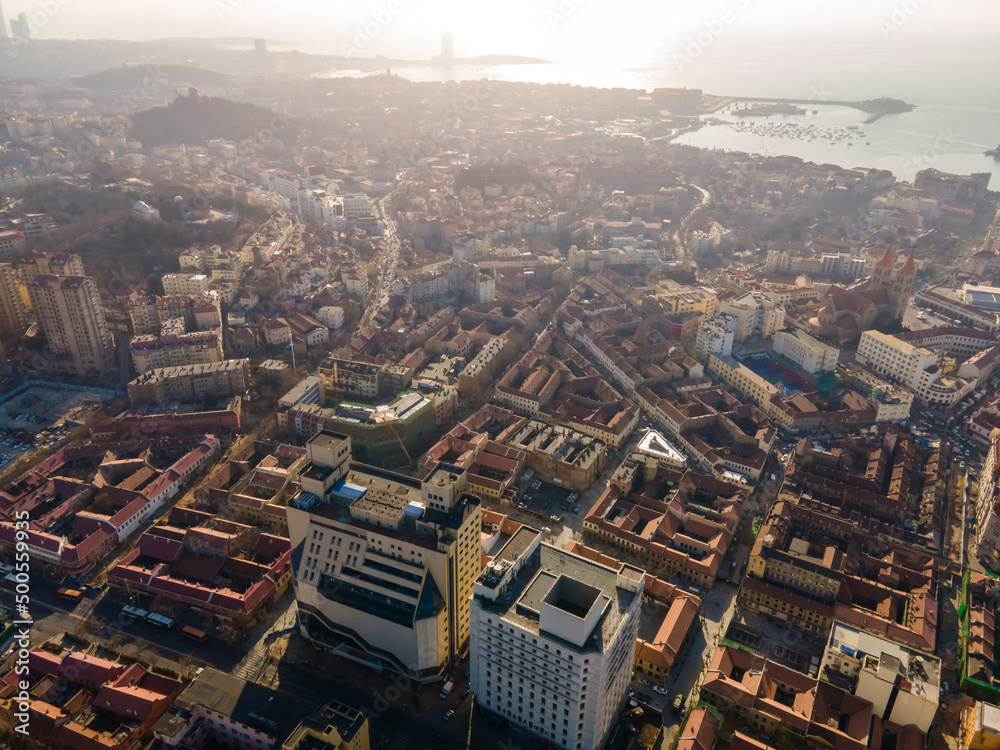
(456, 704)
(449, 714)
(678, 704)
(660, 690)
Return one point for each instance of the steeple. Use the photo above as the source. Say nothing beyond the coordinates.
(887, 259)
(910, 267)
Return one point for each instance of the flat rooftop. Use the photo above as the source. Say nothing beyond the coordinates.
(574, 581)
(654, 444)
(274, 713)
(921, 670)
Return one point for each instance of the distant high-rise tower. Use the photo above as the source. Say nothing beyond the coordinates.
(20, 28)
(3, 24)
(447, 47)
(260, 47)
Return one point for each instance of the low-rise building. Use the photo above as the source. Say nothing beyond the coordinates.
(791, 573)
(807, 352)
(988, 506)
(83, 701)
(902, 685)
(187, 383)
(769, 697)
(332, 317)
(198, 560)
(677, 525)
(926, 361)
(185, 284)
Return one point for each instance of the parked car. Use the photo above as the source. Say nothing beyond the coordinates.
(449, 714)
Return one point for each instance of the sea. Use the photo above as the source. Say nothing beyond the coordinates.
(955, 91)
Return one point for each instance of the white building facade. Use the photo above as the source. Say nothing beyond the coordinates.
(553, 640)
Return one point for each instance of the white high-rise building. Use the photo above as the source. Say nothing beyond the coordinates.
(553, 640)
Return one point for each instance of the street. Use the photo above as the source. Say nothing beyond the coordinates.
(378, 296)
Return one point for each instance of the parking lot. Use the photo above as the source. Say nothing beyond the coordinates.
(548, 503)
(41, 417)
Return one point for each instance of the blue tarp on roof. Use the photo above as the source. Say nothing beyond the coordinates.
(348, 490)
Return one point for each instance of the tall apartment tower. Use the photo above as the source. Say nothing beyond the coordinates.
(69, 311)
(13, 315)
(33, 264)
(384, 564)
(3, 24)
(447, 47)
(553, 640)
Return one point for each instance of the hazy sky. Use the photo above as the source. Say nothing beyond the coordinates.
(561, 30)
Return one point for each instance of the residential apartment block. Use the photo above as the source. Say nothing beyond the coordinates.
(792, 574)
(769, 697)
(185, 284)
(756, 315)
(187, 383)
(716, 335)
(70, 314)
(13, 313)
(175, 346)
(902, 684)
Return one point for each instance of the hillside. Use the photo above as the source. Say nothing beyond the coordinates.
(117, 80)
(194, 119)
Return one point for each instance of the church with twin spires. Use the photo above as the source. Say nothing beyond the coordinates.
(844, 315)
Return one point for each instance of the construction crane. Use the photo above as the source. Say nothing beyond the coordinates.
(402, 445)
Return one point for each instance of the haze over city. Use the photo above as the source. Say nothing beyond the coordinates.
(499, 376)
